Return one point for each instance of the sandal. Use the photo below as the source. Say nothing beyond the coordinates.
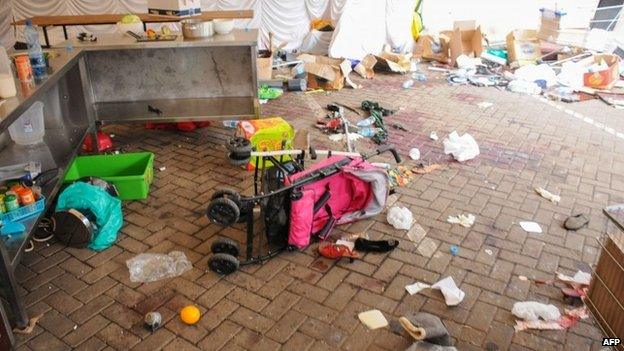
(575, 222)
(375, 245)
(336, 251)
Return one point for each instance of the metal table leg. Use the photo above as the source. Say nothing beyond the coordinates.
(45, 35)
(9, 285)
(65, 32)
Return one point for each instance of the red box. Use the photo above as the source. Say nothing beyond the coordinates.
(606, 78)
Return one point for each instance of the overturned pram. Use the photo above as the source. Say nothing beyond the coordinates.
(297, 204)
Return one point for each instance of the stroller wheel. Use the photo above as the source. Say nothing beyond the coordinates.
(237, 159)
(223, 263)
(223, 211)
(238, 145)
(225, 245)
(227, 193)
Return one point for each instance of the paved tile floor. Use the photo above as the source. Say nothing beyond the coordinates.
(300, 302)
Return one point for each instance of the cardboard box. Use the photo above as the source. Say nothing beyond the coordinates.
(389, 61)
(523, 47)
(264, 67)
(435, 50)
(464, 41)
(604, 79)
(174, 7)
(327, 73)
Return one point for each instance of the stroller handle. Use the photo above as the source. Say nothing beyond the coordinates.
(387, 148)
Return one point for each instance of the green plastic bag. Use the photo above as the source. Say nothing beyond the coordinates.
(105, 208)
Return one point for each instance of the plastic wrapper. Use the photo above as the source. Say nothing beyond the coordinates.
(532, 311)
(105, 208)
(400, 218)
(150, 267)
(463, 148)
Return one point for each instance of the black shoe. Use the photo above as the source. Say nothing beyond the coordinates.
(375, 245)
(45, 231)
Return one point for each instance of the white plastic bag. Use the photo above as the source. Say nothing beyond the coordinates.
(533, 310)
(463, 148)
(400, 218)
(150, 267)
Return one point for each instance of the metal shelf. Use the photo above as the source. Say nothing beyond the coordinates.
(176, 110)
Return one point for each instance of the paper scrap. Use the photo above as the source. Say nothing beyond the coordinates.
(462, 219)
(531, 227)
(485, 104)
(416, 287)
(433, 135)
(414, 154)
(373, 319)
(452, 294)
(548, 195)
(489, 252)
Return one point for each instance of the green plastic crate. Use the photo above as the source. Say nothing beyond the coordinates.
(131, 173)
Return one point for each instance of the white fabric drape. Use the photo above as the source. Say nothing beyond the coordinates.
(364, 24)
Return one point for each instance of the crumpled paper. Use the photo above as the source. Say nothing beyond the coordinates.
(548, 195)
(462, 219)
(452, 294)
(463, 148)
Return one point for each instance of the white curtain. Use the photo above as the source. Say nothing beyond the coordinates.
(288, 20)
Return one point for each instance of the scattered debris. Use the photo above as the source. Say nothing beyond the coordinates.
(579, 277)
(162, 169)
(463, 148)
(424, 326)
(365, 245)
(341, 137)
(422, 169)
(462, 219)
(548, 195)
(454, 250)
(414, 154)
(576, 222)
(32, 323)
(373, 319)
(452, 294)
(489, 252)
(433, 135)
(416, 287)
(532, 311)
(485, 104)
(400, 217)
(347, 243)
(531, 227)
(399, 176)
(567, 320)
(149, 267)
(152, 321)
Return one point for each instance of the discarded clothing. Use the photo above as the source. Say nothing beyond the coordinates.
(464, 220)
(548, 195)
(425, 326)
(463, 148)
(567, 320)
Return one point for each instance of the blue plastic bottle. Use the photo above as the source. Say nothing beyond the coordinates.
(35, 53)
(367, 132)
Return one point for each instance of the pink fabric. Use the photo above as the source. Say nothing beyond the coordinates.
(348, 194)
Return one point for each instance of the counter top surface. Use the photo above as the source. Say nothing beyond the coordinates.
(11, 108)
(238, 37)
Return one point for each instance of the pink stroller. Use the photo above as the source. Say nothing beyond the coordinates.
(296, 204)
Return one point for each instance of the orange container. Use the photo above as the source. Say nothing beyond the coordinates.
(26, 196)
(604, 79)
(23, 68)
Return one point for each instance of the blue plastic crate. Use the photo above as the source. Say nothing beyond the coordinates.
(24, 211)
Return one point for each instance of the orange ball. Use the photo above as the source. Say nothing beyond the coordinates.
(190, 314)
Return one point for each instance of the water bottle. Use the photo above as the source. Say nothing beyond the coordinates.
(230, 124)
(35, 53)
(366, 122)
(367, 132)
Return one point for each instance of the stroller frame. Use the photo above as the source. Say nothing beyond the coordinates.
(224, 260)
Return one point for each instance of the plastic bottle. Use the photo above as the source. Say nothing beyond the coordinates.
(7, 82)
(366, 122)
(35, 53)
(367, 132)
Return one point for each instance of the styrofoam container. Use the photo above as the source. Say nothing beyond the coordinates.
(223, 26)
(29, 128)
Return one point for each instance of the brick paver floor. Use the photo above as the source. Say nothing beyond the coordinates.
(297, 301)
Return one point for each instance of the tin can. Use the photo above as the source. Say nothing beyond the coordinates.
(26, 196)
(11, 203)
(23, 68)
(2, 206)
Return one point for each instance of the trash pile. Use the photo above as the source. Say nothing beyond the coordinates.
(563, 64)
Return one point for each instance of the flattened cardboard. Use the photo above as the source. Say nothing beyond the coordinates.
(467, 42)
(390, 61)
(326, 72)
(523, 47)
(365, 67)
(429, 54)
